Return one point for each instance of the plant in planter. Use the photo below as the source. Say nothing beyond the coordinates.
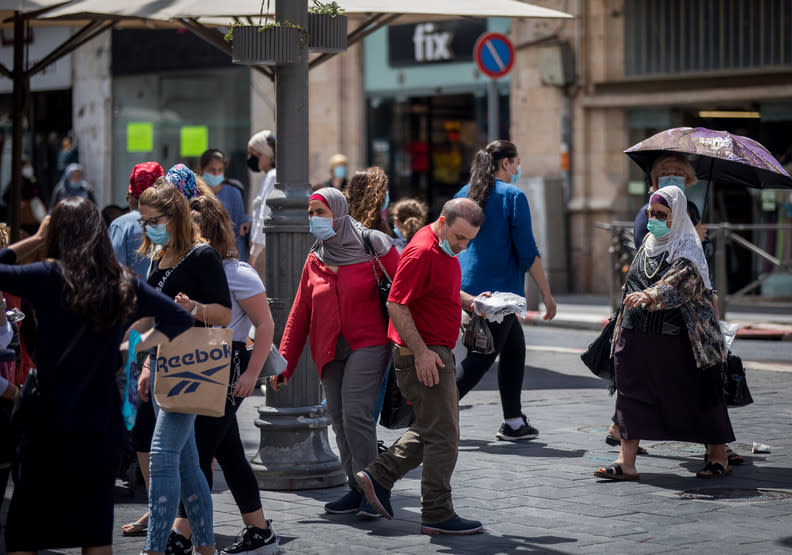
(268, 44)
(327, 27)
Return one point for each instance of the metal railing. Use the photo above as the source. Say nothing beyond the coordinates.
(723, 235)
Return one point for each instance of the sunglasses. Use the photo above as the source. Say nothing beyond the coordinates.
(662, 216)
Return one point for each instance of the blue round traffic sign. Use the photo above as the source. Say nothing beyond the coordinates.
(494, 54)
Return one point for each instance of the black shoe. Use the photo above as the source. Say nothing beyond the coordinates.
(526, 431)
(178, 544)
(456, 525)
(366, 511)
(378, 496)
(254, 541)
(347, 504)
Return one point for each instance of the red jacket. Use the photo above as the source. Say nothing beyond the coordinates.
(330, 304)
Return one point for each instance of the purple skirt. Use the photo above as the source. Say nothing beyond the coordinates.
(662, 395)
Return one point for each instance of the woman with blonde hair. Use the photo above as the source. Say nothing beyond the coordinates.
(189, 270)
(367, 196)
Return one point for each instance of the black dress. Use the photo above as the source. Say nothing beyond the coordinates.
(73, 448)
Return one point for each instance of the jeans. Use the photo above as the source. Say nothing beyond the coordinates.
(433, 439)
(175, 472)
(509, 343)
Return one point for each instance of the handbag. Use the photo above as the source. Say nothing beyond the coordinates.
(735, 385)
(597, 357)
(273, 366)
(478, 337)
(396, 412)
(193, 370)
(384, 282)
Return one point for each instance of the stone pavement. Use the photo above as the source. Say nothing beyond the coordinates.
(540, 495)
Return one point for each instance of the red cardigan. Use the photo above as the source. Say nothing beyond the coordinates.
(330, 304)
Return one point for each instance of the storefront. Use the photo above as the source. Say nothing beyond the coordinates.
(427, 105)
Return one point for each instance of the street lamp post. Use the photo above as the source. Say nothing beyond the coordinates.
(294, 452)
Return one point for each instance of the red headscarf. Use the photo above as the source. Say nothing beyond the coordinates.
(143, 176)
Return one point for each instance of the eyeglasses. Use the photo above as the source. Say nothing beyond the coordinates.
(662, 216)
(151, 221)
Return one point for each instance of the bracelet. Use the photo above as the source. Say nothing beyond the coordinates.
(146, 367)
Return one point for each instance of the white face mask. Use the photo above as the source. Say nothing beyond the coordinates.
(27, 171)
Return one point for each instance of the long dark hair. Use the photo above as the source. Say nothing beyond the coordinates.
(485, 164)
(208, 156)
(95, 285)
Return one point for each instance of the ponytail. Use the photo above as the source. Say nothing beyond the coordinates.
(482, 171)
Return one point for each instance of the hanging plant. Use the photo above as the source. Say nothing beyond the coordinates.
(266, 43)
(327, 28)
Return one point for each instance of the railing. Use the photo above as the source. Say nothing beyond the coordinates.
(724, 234)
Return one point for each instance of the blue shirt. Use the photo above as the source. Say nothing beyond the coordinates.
(504, 249)
(126, 235)
(232, 200)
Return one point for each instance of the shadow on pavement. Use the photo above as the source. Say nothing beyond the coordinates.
(501, 544)
(543, 378)
(528, 448)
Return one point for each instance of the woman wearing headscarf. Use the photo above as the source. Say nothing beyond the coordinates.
(338, 309)
(668, 348)
(261, 161)
(72, 185)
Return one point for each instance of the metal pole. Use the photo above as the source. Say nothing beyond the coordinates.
(294, 452)
(17, 121)
(493, 117)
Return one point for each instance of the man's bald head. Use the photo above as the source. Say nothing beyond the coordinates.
(463, 208)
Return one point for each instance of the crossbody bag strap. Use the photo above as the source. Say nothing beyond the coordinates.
(366, 234)
(72, 344)
(168, 272)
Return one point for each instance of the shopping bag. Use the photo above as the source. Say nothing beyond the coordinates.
(131, 375)
(193, 371)
(478, 337)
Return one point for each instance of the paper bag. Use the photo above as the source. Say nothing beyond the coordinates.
(193, 371)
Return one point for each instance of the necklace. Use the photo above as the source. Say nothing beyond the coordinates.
(659, 264)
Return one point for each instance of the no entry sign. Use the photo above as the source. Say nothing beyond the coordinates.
(494, 54)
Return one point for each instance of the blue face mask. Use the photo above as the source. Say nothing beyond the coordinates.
(158, 234)
(387, 201)
(213, 180)
(515, 179)
(446, 248)
(322, 228)
(339, 172)
(398, 233)
(657, 228)
(73, 185)
(668, 180)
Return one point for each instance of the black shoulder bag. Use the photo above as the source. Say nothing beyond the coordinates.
(384, 282)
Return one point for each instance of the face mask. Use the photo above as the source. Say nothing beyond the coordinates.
(253, 163)
(27, 171)
(73, 185)
(446, 248)
(322, 228)
(158, 234)
(515, 179)
(213, 180)
(387, 201)
(657, 228)
(339, 172)
(398, 233)
(667, 180)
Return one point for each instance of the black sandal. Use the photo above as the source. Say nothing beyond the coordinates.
(615, 472)
(610, 439)
(714, 470)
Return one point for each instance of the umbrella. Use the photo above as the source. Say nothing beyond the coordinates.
(716, 156)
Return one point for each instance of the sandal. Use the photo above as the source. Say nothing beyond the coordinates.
(135, 529)
(714, 470)
(615, 472)
(733, 457)
(610, 439)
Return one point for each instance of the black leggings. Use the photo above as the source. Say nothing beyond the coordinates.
(219, 438)
(510, 345)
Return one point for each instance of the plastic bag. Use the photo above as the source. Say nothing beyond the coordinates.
(131, 374)
(478, 338)
(729, 331)
(495, 307)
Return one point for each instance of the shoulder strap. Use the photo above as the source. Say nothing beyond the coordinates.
(168, 272)
(72, 344)
(366, 234)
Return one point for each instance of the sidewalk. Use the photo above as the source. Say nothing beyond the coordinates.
(590, 312)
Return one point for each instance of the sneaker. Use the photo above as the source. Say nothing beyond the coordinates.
(178, 544)
(378, 496)
(366, 511)
(455, 525)
(347, 504)
(526, 431)
(254, 541)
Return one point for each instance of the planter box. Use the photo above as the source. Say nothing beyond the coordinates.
(271, 46)
(327, 33)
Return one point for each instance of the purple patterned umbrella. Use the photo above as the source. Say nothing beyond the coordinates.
(716, 156)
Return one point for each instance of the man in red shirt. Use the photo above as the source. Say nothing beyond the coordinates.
(425, 305)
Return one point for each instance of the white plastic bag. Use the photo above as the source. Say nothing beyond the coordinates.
(495, 307)
(729, 331)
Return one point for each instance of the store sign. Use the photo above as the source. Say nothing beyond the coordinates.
(433, 42)
(39, 41)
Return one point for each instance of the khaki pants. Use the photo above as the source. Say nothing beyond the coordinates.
(433, 439)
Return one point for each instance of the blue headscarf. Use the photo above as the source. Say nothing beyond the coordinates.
(183, 178)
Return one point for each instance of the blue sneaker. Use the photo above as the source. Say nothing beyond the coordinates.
(455, 525)
(347, 504)
(378, 496)
(366, 511)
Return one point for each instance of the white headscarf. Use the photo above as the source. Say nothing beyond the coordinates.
(682, 241)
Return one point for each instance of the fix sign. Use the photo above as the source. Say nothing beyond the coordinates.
(494, 54)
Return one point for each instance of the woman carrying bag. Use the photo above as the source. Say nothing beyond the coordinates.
(190, 271)
(338, 309)
(84, 301)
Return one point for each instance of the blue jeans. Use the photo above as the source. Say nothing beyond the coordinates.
(175, 472)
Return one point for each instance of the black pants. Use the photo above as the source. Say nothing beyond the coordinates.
(218, 438)
(509, 343)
